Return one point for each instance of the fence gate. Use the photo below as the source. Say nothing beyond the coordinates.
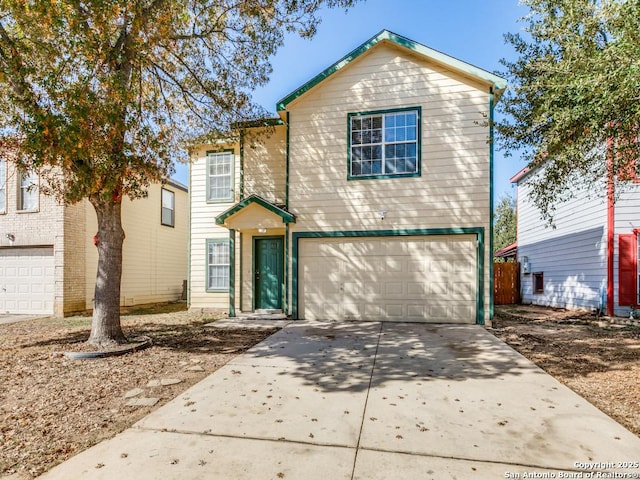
(506, 283)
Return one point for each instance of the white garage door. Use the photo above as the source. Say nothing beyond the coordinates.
(408, 279)
(26, 280)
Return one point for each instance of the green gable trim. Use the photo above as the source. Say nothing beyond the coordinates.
(286, 216)
(480, 251)
(385, 35)
(261, 122)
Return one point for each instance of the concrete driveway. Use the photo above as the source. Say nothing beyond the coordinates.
(6, 318)
(369, 401)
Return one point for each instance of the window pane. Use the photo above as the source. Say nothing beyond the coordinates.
(220, 169)
(397, 132)
(28, 194)
(218, 265)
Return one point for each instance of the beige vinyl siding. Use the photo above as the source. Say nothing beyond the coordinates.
(154, 261)
(264, 164)
(203, 227)
(453, 188)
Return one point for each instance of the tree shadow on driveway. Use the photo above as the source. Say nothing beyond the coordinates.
(356, 356)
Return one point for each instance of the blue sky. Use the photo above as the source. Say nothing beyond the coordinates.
(470, 30)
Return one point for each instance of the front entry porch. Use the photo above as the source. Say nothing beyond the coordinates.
(259, 283)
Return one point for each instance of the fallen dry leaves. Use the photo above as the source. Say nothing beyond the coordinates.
(597, 359)
(52, 407)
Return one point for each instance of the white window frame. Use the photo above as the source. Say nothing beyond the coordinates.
(28, 192)
(170, 195)
(381, 139)
(218, 264)
(218, 161)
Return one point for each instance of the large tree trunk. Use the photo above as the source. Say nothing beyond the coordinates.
(105, 326)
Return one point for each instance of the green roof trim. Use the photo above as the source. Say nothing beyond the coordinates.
(258, 123)
(498, 83)
(286, 216)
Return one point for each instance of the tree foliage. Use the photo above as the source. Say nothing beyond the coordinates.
(100, 96)
(504, 223)
(574, 89)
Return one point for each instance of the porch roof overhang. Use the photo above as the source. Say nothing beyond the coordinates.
(254, 212)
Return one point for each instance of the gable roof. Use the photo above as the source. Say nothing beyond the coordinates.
(499, 84)
(258, 200)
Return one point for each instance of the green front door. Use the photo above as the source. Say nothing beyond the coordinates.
(269, 272)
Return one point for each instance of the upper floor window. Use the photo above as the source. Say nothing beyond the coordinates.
(384, 144)
(3, 186)
(28, 192)
(168, 208)
(220, 176)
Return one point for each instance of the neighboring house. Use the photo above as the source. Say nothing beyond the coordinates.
(589, 258)
(48, 261)
(508, 253)
(367, 198)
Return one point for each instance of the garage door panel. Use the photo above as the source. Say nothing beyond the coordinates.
(27, 280)
(427, 279)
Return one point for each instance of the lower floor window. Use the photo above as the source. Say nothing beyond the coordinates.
(538, 282)
(218, 265)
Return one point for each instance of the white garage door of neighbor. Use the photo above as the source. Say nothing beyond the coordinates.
(26, 280)
(407, 279)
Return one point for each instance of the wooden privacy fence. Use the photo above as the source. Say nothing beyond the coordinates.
(506, 283)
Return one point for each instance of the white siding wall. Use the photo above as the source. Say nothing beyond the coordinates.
(203, 227)
(627, 211)
(571, 256)
(453, 189)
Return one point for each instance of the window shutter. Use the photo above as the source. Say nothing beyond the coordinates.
(627, 266)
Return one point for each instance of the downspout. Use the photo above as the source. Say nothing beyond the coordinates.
(491, 206)
(610, 226)
(232, 272)
(241, 164)
(189, 234)
(287, 309)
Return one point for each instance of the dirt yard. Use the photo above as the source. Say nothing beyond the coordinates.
(52, 407)
(596, 358)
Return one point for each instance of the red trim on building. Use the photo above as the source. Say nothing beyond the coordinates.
(627, 269)
(610, 226)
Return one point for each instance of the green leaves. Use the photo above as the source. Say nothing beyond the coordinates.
(504, 227)
(574, 87)
(107, 93)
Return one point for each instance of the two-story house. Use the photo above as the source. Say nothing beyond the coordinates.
(588, 259)
(48, 262)
(369, 197)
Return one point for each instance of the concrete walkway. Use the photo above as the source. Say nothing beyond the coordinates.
(7, 318)
(368, 401)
